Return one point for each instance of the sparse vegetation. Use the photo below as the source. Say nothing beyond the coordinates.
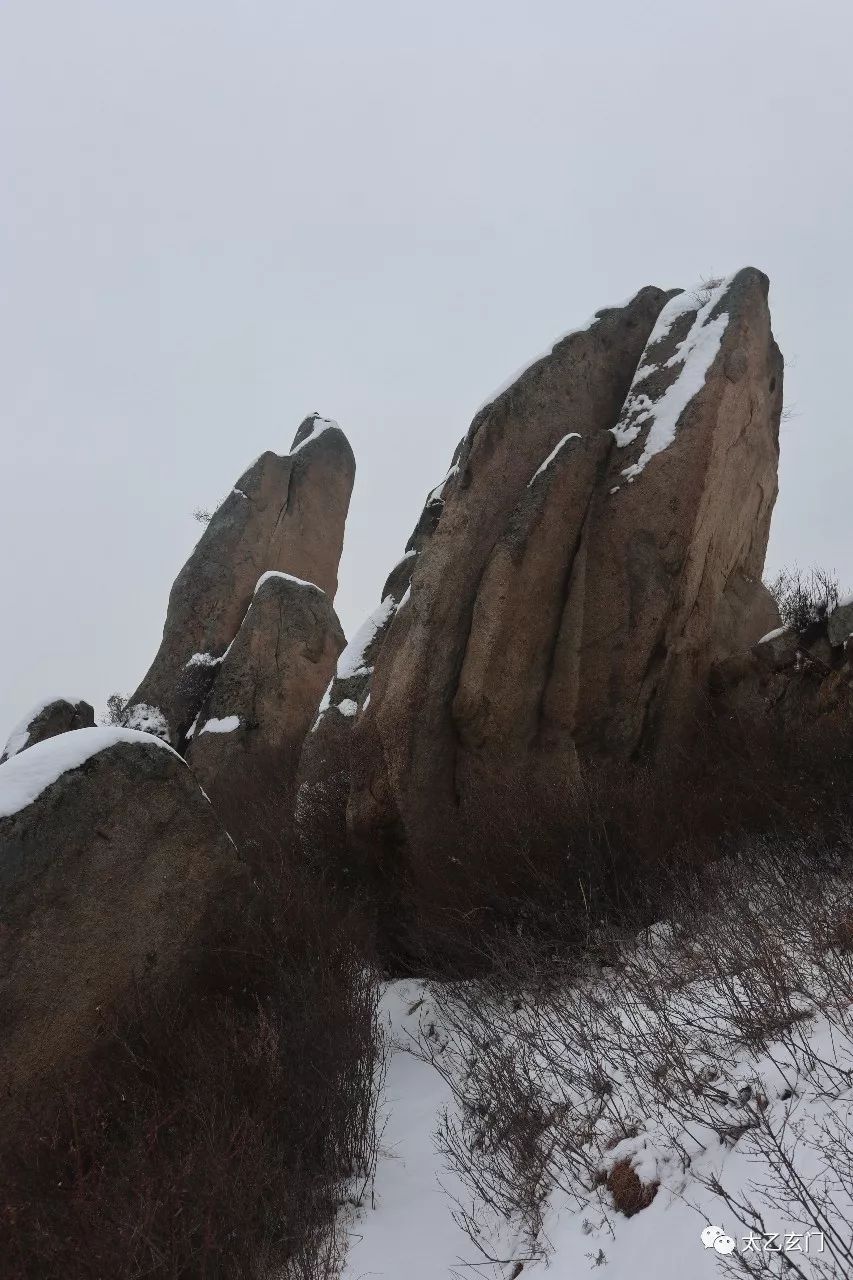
(706, 288)
(116, 707)
(804, 598)
(680, 1040)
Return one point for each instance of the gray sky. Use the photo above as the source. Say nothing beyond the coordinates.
(217, 217)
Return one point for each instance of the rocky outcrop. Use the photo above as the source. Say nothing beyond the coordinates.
(405, 760)
(285, 514)
(46, 720)
(269, 684)
(325, 772)
(792, 682)
(600, 549)
(680, 524)
(113, 872)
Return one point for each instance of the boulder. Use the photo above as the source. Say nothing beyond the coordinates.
(46, 720)
(777, 649)
(113, 872)
(269, 685)
(285, 514)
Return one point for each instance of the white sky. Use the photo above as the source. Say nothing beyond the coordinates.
(218, 216)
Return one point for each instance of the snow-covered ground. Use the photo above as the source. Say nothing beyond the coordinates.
(799, 1089)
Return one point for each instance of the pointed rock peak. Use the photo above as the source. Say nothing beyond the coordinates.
(310, 429)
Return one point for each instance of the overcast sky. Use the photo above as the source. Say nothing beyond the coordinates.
(220, 215)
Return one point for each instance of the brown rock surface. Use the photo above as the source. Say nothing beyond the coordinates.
(407, 751)
(325, 766)
(269, 685)
(285, 514)
(601, 547)
(685, 507)
(60, 715)
(112, 869)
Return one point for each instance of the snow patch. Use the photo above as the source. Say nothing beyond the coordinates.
(204, 660)
(693, 357)
(147, 719)
(773, 635)
(320, 425)
(353, 661)
(227, 724)
(19, 736)
(436, 494)
(347, 707)
(27, 775)
(288, 577)
(573, 435)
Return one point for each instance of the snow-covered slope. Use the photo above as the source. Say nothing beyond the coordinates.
(724, 1147)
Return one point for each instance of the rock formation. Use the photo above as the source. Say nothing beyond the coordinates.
(269, 684)
(285, 514)
(113, 870)
(600, 548)
(791, 680)
(325, 762)
(50, 717)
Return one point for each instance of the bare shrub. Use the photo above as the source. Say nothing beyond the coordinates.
(704, 291)
(218, 1131)
(693, 1036)
(116, 707)
(628, 1192)
(202, 515)
(804, 598)
(556, 861)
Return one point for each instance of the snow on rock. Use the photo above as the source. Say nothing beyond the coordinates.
(352, 661)
(19, 736)
(288, 577)
(222, 724)
(583, 328)
(147, 719)
(773, 635)
(573, 435)
(695, 353)
(204, 660)
(436, 494)
(27, 775)
(319, 426)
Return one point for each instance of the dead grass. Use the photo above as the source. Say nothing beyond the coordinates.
(629, 1193)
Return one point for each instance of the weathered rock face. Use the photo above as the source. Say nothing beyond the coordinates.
(324, 771)
(285, 514)
(266, 693)
(789, 682)
(59, 715)
(112, 869)
(681, 519)
(407, 748)
(600, 548)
